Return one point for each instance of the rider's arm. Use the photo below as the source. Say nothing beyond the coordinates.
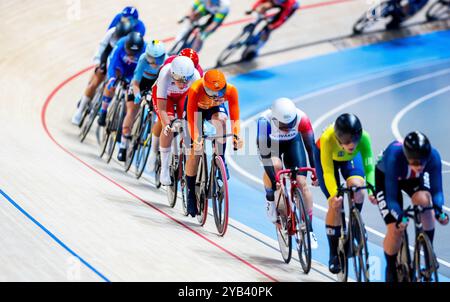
(103, 45)
(139, 71)
(306, 130)
(115, 20)
(257, 4)
(233, 103)
(262, 143)
(393, 170)
(326, 159)
(114, 62)
(140, 28)
(285, 14)
(435, 179)
(365, 148)
(192, 108)
(161, 94)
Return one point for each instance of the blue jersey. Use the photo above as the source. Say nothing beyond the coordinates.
(120, 60)
(144, 69)
(395, 167)
(139, 26)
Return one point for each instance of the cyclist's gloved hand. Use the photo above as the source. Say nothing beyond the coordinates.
(198, 145)
(102, 67)
(249, 12)
(238, 142)
(137, 98)
(112, 83)
(402, 222)
(441, 216)
(336, 202)
(315, 181)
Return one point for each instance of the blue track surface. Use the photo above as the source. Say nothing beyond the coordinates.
(423, 60)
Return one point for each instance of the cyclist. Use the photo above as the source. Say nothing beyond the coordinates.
(145, 76)
(399, 14)
(285, 131)
(157, 128)
(414, 167)
(105, 48)
(343, 147)
(130, 15)
(206, 101)
(170, 94)
(218, 9)
(122, 64)
(286, 9)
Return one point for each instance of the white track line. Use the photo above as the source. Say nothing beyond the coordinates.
(404, 111)
(322, 118)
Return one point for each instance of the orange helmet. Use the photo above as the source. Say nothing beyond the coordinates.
(191, 54)
(214, 83)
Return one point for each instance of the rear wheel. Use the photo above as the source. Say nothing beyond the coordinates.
(158, 171)
(371, 17)
(343, 260)
(284, 239)
(303, 231)
(219, 195)
(425, 263)
(359, 247)
(183, 184)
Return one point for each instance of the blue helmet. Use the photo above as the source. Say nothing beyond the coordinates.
(130, 11)
(157, 50)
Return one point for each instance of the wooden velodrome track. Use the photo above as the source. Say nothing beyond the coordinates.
(64, 214)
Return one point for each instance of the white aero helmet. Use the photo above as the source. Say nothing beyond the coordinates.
(182, 69)
(284, 113)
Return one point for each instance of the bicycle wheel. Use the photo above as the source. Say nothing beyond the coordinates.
(144, 145)
(359, 248)
(371, 17)
(116, 130)
(183, 184)
(172, 190)
(158, 171)
(439, 10)
(201, 190)
(284, 239)
(342, 276)
(87, 125)
(108, 128)
(131, 148)
(303, 231)
(182, 43)
(404, 272)
(425, 263)
(235, 45)
(219, 195)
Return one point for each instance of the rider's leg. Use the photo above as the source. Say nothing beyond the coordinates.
(106, 99)
(271, 167)
(97, 77)
(353, 172)
(191, 175)
(156, 134)
(423, 199)
(219, 121)
(165, 147)
(391, 245)
(333, 216)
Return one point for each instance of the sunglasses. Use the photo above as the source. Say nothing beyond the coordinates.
(181, 79)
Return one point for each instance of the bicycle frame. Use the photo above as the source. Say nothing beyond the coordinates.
(281, 178)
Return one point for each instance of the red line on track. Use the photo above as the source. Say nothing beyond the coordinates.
(249, 19)
(50, 98)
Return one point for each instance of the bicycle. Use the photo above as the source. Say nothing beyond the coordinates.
(353, 240)
(114, 119)
(424, 266)
(139, 146)
(91, 112)
(439, 10)
(245, 40)
(191, 36)
(383, 11)
(293, 219)
(212, 184)
(177, 166)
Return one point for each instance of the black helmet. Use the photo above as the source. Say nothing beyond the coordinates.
(123, 28)
(416, 146)
(135, 42)
(348, 128)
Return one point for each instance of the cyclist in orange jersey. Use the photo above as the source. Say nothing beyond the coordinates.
(206, 101)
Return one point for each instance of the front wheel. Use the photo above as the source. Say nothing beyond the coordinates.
(234, 46)
(219, 195)
(303, 231)
(360, 252)
(404, 272)
(172, 190)
(201, 190)
(425, 263)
